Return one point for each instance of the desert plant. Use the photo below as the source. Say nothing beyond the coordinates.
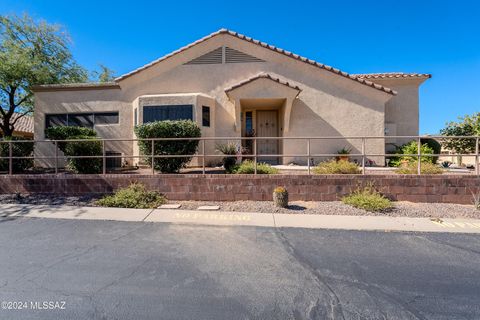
(92, 147)
(280, 197)
(228, 149)
(248, 167)
(336, 167)
(411, 148)
(19, 149)
(476, 200)
(133, 196)
(425, 168)
(343, 153)
(168, 129)
(368, 198)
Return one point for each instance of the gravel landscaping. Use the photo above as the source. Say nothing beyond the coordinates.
(402, 208)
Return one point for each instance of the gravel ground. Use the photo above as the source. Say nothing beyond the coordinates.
(402, 208)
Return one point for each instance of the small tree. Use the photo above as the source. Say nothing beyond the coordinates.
(31, 53)
(168, 129)
(466, 126)
(105, 74)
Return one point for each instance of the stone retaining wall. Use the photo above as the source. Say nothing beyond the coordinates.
(427, 188)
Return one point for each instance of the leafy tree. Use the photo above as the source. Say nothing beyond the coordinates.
(468, 125)
(31, 53)
(105, 74)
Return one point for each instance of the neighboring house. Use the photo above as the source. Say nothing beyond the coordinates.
(23, 126)
(233, 85)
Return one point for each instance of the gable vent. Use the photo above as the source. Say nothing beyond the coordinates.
(235, 56)
(212, 57)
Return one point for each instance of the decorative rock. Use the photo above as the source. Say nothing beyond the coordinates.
(209, 208)
(170, 206)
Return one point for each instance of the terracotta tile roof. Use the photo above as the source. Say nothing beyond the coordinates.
(24, 124)
(265, 76)
(76, 86)
(267, 46)
(392, 75)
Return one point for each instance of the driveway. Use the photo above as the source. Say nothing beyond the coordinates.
(86, 269)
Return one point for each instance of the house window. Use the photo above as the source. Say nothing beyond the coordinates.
(87, 120)
(106, 118)
(168, 112)
(206, 116)
(80, 120)
(56, 120)
(135, 116)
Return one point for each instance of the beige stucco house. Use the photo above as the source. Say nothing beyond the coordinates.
(234, 86)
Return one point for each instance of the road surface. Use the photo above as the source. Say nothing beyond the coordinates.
(80, 269)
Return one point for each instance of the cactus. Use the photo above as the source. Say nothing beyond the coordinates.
(280, 197)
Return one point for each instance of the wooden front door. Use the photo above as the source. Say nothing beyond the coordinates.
(267, 126)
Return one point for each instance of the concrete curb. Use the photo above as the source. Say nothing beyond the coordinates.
(222, 218)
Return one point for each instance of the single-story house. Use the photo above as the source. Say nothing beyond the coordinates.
(23, 127)
(232, 85)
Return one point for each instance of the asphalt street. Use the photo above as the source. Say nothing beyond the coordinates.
(80, 269)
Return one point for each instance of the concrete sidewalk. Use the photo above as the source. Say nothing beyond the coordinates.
(220, 218)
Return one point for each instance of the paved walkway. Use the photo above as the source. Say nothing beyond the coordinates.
(8, 211)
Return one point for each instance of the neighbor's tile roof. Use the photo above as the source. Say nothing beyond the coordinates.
(267, 46)
(24, 124)
(392, 75)
(264, 76)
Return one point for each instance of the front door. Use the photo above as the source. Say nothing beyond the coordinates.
(267, 126)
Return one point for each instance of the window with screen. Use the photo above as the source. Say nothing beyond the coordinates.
(206, 116)
(56, 120)
(87, 120)
(167, 112)
(80, 120)
(106, 118)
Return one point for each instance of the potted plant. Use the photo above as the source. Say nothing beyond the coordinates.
(280, 197)
(343, 154)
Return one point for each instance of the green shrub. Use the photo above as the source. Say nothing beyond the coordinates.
(248, 167)
(434, 145)
(66, 133)
(168, 129)
(425, 168)
(411, 148)
(367, 198)
(228, 149)
(19, 149)
(92, 147)
(134, 196)
(336, 167)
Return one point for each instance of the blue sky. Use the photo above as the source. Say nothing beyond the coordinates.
(437, 37)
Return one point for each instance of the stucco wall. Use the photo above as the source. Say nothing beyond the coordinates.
(328, 105)
(402, 111)
(79, 102)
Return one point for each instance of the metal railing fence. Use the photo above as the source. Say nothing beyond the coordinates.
(255, 155)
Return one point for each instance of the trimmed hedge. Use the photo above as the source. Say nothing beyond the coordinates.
(168, 129)
(65, 133)
(79, 148)
(93, 147)
(19, 149)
